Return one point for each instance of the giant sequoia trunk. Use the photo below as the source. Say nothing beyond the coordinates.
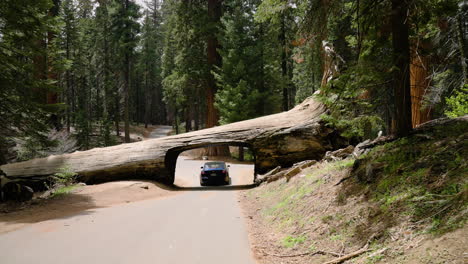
(214, 60)
(401, 74)
(419, 83)
(277, 140)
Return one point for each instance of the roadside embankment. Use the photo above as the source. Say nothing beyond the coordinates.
(391, 201)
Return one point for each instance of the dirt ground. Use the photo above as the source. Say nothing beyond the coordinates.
(81, 198)
(322, 227)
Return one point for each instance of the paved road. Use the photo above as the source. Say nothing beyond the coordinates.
(200, 225)
(160, 131)
(194, 227)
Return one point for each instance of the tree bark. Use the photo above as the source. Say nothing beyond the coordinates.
(148, 95)
(117, 113)
(241, 153)
(419, 72)
(462, 45)
(52, 96)
(261, 78)
(107, 92)
(284, 64)
(188, 119)
(68, 84)
(214, 60)
(401, 71)
(127, 80)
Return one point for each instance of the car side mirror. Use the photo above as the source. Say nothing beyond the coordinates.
(201, 167)
(229, 166)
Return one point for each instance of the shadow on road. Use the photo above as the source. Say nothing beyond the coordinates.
(215, 188)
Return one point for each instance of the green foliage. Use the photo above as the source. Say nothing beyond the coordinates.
(63, 190)
(307, 72)
(125, 26)
(422, 178)
(22, 31)
(248, 155)
(64, 177)
(236, 103)
(292, 241)
(245, 91)
(270, 9)
(184, 67)
(457, 104)
(31, 147)
(361, 127)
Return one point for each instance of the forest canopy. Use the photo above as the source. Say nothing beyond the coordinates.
(92, 68)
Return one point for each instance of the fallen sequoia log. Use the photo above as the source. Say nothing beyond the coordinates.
(277, 140)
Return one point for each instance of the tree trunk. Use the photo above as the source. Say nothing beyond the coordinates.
(241, 153)
(277, 140)
(326, 60)
(419, 70)
(261, 78)
(214, 60)
(107, 92)
(117, 113)
(3, 152)
(176, 120)
(127, 81)
(52, 96)
(68, 84)
(197, 116)
(462, 46)
(188, 121)
(148, 94)
(284, 64)
(401, 72)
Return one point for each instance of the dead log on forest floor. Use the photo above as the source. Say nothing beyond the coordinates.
(277, 140)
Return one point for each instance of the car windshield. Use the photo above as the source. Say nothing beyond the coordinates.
(214, 165)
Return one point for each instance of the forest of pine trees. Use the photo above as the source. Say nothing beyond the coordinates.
(93, 68)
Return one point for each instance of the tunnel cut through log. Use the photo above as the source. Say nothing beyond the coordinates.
(170, 160)
(277, 140)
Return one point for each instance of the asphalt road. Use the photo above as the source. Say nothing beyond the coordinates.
(194, 227)
(199, 225)
(160, 131)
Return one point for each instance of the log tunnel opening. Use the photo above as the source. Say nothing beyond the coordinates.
(173, 158)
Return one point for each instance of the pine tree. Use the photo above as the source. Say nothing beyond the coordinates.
(23, 82)
(240, 92)
(124, 17)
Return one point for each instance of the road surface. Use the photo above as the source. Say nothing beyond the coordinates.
(199, 225)
(160, 131)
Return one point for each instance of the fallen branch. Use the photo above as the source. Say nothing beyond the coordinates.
(321, 252)
(378, 252)
(344, 179)
(437, 213)
(349, 256)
